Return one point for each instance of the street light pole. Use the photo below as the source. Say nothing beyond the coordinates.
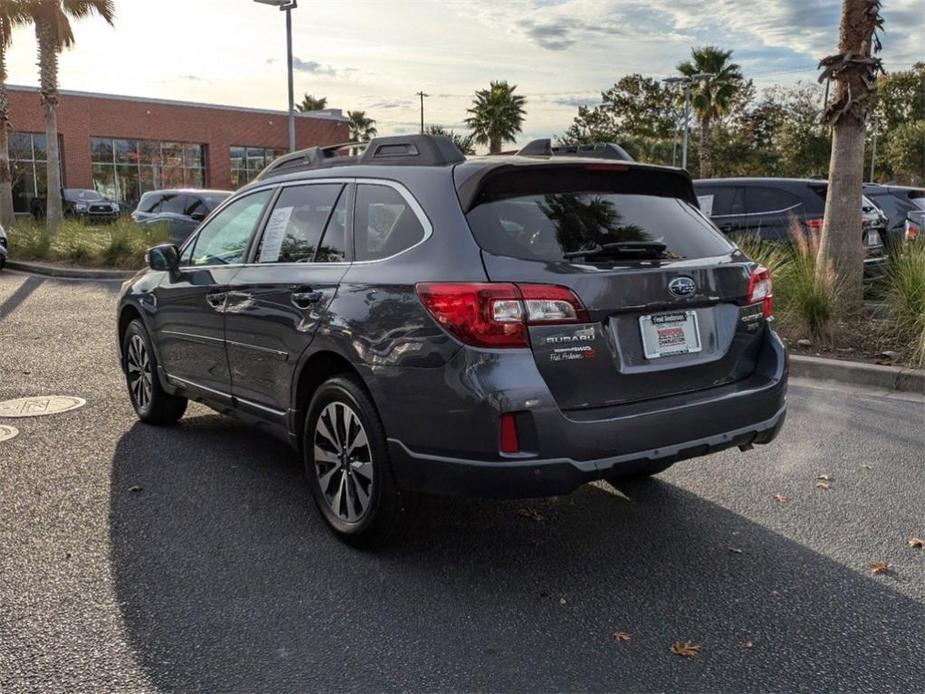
(288, 11)
(422, 95)
(287, 6)
(687, 81)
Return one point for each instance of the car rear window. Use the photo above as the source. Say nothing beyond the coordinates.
(548, 226)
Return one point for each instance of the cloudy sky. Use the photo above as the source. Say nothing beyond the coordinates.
(375, 54)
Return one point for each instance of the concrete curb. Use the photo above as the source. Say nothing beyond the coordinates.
(73, 273)
(855, 373)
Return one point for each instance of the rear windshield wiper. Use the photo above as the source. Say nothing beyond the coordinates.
(632, 249)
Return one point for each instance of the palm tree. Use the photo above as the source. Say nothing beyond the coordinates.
(52, 19)
(854, 70)
(11, 14)
(712, 97)
(362, 128)
(311, 103)
(497, 115)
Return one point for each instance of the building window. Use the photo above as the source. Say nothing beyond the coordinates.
(125, 169)
(28, 165)
(247, 162)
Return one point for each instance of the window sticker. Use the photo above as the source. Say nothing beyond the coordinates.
(706, 204)
(274, 234)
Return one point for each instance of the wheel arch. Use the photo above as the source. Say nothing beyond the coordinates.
(315, 370)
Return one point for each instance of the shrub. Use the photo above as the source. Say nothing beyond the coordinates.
(906, 297)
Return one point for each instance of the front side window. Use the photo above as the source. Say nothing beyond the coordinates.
(297, 223)
(223, 241)
(384, 223)
(765, 199)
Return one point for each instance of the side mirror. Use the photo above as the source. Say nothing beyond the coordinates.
(198, 216)
(163, 258)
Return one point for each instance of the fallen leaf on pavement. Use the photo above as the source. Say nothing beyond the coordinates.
(621, 636)
(747, 644)
(865, 466)
(823, 485)
(779, 498)
(735, 550)
(880, 567)
(562, 601)
(135, 488)
(687, 649)
(824, 478)
(531, 513)
(916, 543)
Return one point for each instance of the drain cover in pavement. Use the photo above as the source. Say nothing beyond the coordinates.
(7, 432)
(40, 405)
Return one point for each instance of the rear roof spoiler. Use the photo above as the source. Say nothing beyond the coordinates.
(596, 150)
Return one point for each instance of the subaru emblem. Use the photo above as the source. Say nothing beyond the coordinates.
(682, 286)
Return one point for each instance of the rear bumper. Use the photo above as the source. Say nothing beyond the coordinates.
(575, 447)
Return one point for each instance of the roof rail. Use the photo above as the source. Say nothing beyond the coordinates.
(597, 150)
(400, 150)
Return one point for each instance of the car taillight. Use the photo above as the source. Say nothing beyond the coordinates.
(814, 224)
(497, 314)
(912, 231)
(760, 288)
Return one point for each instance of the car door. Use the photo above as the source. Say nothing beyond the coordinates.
(278, 300)
(190, 303)
(769, 212)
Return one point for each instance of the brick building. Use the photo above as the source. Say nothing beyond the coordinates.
(123, 146)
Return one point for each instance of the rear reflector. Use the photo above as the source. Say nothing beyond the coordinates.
(509, 441)
(814, 224)
(497, 314)
(761, 289)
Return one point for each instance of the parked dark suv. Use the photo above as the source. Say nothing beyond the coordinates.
(180, 210)
(411, 320)
(81, 203)
(768, 207)
(899, 204)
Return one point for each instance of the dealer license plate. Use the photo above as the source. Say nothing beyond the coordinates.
(668, 334)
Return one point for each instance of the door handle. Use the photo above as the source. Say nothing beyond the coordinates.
(216, 300)
(305, 299)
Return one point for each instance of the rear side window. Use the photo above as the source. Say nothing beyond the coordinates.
(173, 203)
(297, 223)
(549, 227)
(384, 223)
(765, 199)
(149, 203)
(716, 201)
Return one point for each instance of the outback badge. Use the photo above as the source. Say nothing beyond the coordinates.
(682, 286)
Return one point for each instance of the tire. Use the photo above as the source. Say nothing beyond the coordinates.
(342, 409)
(152, 403)
(638, 471)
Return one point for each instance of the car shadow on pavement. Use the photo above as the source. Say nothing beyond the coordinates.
(228, 581)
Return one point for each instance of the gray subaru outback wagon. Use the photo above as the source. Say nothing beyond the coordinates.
(411, 320)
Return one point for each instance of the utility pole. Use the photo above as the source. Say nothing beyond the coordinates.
(687, 81)
(422, 95)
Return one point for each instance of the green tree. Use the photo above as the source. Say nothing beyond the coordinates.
(311, 103)
(711, 97)
(904, 151)
(497, 115)
(854, 69)
(11, 14)
(362, 128)
(52, 20)
(463, 142)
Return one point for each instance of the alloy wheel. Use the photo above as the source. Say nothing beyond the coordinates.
(139, 372)
(343, 461)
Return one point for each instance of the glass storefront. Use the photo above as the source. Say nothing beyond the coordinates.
(124, 169)
(247, 162)
(28, 165)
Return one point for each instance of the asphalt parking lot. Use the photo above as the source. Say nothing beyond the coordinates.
(189, 558)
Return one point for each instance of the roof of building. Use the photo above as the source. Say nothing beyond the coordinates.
(334, 114)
